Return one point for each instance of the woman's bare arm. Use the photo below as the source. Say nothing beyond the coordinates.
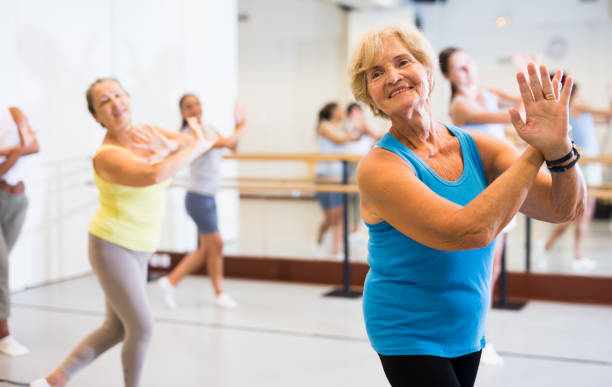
(391, 191)
(465, 113)
(29, 142)
(119, 166)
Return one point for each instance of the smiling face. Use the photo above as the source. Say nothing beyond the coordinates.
(397, 82)
(191, 107)
(462, 70)
(111, 105)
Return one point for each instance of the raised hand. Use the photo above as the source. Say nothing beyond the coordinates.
(239, 115)
(151, 143)
(204, 136)
(27, 135)
(546, 126)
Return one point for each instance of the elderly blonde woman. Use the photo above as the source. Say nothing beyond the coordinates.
(434, 198)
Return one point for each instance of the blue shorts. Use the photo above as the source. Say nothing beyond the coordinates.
(203, 210)
(329, 200)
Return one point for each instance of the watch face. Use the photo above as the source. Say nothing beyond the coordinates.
(557, 47)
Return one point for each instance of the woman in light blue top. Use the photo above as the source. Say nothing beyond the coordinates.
(435, 197)
(331, 139)
(582, 120)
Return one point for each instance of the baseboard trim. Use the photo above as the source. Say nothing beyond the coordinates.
(521, 286)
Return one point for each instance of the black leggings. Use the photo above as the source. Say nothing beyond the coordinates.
(431, 371)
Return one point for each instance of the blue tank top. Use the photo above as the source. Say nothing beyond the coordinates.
(422, 301)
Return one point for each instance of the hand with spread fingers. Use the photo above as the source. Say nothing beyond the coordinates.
(204, 135)
(149, 144)
(546, 126)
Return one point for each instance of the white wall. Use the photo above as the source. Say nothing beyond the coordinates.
(52, 51)
(292, 60)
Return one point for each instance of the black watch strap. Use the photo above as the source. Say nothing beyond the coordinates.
(563, 159)
(565, 167)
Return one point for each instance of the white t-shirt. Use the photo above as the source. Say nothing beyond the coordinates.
(205, 172)
(9, 137)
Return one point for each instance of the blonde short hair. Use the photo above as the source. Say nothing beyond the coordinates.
(371, 44)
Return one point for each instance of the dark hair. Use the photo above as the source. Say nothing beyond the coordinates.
(351, 106)
(444, 60)
(563, 78)
(184, 122)
(89, 92)
(325, 114)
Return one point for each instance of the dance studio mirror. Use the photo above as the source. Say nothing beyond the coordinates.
(293, 59)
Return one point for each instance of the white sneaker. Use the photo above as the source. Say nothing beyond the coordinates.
(490, 356)
(543, 263)
(542, 256)
(356, 237)
(584, 264)
(226, 301)
(40, 383)
(588, 263)
(338, 256)
(11, 347)
(168, 291)
(318, 250)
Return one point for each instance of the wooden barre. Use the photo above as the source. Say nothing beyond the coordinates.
(306, 157)
(605, 194)
(294, 187)
(599, 159)
(288, 180)
(340, 188)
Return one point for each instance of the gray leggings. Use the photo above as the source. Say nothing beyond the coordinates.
(12, 214)
(122, 274)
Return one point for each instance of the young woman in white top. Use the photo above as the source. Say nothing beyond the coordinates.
(201, 206)
(485, 110)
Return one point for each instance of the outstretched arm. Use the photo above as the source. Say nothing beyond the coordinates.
(232, 141)
(29, 143)
(121, 167)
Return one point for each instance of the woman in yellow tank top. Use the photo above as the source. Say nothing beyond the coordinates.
(132, 169)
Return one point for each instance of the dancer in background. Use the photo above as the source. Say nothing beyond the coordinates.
(583, 118)
(204, 182)
(357, 126)
(485, 110)
(132, 170)
(17, 139)
(331, 139)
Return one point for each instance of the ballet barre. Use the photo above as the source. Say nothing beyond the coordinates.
(344, 188)
(339, 188)
(305, 157)
(603, 159)
(603, 192)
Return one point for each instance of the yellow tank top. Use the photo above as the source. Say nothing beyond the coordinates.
(130, 217)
